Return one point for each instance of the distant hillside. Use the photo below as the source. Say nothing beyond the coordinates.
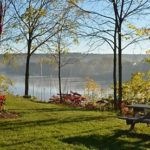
(96, 66)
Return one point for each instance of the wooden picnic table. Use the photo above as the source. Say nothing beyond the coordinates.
(139, 108)
(140, 115)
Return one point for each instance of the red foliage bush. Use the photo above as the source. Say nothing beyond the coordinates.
(2, 101)
(125, 110)
(73, 98)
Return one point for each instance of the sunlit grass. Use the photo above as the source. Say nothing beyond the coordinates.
(55, 127)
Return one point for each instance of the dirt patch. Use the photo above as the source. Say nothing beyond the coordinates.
(8, 115)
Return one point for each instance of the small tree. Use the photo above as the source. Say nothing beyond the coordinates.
(58, 56)
(5, 83)
(92, 89)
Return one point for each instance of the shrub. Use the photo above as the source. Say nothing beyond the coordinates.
(5, 83)
(137, 89)
(2, 102)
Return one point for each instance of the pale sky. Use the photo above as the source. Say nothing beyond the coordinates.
(84, 44)
(138, 21)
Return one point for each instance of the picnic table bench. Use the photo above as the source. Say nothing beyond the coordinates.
(140, 115)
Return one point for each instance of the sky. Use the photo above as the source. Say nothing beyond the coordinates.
(103, 8)
(139, 48)
(84, 44)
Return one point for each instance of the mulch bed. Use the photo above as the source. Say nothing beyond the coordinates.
(8, 115)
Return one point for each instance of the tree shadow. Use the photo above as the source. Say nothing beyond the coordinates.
(18, 124)
(58, 109)
(120, 140)
(20, 142)
(50, 109)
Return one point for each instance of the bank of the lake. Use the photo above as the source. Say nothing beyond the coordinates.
(55, 127)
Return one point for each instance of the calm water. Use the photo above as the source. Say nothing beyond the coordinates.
(46, 87)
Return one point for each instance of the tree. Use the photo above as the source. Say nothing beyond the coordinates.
(5, 22)
(58, 59)
(110, 28)
(92, 89)
(59, 46)
(141, 32)
(37, 22)
(63, 41)
(6, 35)
(123, 10)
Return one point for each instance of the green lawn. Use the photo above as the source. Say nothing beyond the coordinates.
(53, 127)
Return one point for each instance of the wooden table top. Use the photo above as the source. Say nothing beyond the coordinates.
(139, 106)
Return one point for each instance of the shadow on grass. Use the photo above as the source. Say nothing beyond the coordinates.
(20, 142)
(18, 124)
(59, 110)
(53, 109)
(120, 140)
(48, 109)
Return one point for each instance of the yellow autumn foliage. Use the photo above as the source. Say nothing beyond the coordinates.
(5, 83)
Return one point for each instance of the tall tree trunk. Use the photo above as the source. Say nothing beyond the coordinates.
(114, 68)
(59, 69)
(115, 56)
(27, 70)
(115, 79)
(120, 65)
(59, 76)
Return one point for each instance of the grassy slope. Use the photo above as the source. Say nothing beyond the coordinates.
(52, 127)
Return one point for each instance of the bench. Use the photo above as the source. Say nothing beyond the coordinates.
(132, 121)
(136, 118)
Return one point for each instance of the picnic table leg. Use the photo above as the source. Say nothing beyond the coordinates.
(132, 126)
(148, 124)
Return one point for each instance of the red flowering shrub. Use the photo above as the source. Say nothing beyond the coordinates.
(74, 99)
(2, 102)
(125, 110)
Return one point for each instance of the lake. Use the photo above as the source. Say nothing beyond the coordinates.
(45, 87)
